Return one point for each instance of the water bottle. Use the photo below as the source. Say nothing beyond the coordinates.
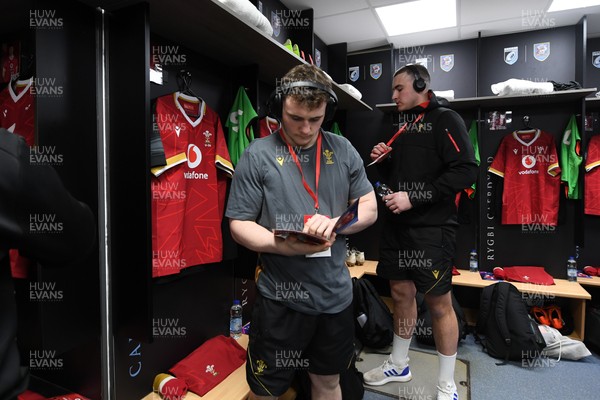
(473, 264)
(382, 189)
(572, 269)
(235, 320)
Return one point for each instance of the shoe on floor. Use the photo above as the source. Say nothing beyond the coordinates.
(360, 257)
(555, 317)
(387, 372)
(447, 393)
(350, 258)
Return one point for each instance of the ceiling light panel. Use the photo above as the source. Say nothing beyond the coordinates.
(417, 16)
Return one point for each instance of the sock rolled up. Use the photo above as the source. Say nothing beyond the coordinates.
(499, 273)
(591, 271)
(169, 387)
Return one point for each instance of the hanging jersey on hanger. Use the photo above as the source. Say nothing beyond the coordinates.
(17, 110)
(188, 193)
(17, 115)
(592, 177)
(267, 126)
(570, 159)
(528, 162)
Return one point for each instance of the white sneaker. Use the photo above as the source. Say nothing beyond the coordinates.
(350, 258)
(448, 393)
(360, 257)
(388, 372)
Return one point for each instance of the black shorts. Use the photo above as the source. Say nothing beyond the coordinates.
(283, 341)
(424, 255)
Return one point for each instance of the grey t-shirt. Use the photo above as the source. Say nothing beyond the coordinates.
(267, 188)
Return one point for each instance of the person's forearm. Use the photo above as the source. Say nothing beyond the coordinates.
(367, 214)
(253, 236)
(257, 238)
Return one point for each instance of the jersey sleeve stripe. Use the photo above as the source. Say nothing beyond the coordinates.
(554, 169)
(496, 172)
(171, 162)
(591, 166)
(224, 165)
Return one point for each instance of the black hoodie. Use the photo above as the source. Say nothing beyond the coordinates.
(432, 161)
(27, 189)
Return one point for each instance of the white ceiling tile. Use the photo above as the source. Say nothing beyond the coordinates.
(349, 27)
(424, 38)
(478, 11)
(382, 3)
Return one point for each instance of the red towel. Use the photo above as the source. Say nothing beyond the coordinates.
(209, 364)
(528, 274)
(30, 395)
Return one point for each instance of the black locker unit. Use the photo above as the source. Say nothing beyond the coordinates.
(59, 339)
(221, 54)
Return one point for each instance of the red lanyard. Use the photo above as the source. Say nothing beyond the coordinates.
(402, 129)
(315, 194)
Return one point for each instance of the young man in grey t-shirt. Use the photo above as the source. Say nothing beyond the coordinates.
(299, 178)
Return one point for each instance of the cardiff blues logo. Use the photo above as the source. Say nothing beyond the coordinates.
(375, 70)
(511, 55)
(596, 59)
(276, 23)
(541, 51)
(354, 73)
(317, 58)
(447, 62)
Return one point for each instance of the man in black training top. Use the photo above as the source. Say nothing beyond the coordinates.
(426, 166)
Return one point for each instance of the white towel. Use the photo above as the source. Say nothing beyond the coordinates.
(446, 94)
(521, 86)
(247, 12)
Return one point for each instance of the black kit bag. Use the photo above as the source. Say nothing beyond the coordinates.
(424, 328)
(373, 320)
(592, 327)
(510, 332)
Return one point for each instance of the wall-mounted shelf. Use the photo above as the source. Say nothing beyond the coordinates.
(213, 30)
(508, 101)
(592, 103)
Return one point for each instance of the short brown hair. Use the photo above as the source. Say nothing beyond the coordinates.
(307, 96)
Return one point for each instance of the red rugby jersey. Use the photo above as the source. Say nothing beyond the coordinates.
(592, 177)
(17, 110)
(528, 162)
(188, 193)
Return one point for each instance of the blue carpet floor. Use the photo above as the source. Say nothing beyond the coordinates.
(545, 380)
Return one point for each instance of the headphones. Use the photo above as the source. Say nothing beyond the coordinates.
(419, 83)
(275, 103)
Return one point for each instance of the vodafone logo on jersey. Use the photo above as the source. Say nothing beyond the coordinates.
(194, 158)
(528, 161)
